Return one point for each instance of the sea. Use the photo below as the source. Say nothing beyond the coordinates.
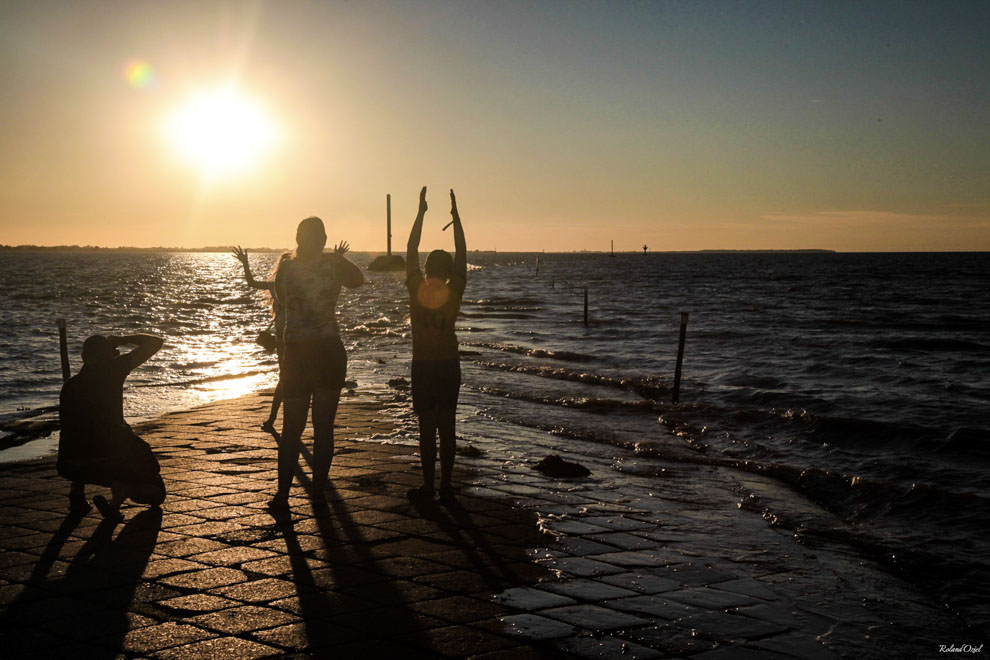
(859, 381)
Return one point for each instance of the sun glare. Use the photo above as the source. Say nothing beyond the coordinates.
(222, 132)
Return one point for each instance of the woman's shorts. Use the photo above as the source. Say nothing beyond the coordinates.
(312, 365)
(435, 384)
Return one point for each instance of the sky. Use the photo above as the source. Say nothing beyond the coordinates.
(562, 126)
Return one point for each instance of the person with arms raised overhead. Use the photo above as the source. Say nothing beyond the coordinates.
(434, 303)
(96, 445)
(315, 363)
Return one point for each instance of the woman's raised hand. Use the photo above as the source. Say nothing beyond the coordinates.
(240, 254)
(340, 249)
(422, 201)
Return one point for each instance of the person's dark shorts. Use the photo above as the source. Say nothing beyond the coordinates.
(313, 365)
(435, 384)
(130, 461)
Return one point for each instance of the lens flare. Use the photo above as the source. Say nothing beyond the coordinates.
(139, 74)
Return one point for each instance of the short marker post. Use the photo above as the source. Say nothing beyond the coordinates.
(680, 358)
(586, 305)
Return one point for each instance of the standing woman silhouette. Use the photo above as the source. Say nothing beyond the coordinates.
(315, 363)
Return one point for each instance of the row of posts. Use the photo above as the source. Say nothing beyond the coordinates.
(680, 344)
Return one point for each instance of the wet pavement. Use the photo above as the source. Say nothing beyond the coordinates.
(680, 565)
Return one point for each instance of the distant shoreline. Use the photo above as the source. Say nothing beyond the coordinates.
(228, 248)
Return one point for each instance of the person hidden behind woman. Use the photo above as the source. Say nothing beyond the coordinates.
(278, 324)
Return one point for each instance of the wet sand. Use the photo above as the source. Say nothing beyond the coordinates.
(522, 566)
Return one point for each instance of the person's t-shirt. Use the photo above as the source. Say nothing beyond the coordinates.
(310, 289)
(433, 309)
(91, 409)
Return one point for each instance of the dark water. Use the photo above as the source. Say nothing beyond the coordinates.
(862, 381)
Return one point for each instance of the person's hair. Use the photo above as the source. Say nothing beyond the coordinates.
(311, 237)
(96, 349)
(274, 273)
(439, 264)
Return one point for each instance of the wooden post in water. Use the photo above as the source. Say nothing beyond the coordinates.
(63, 349)
(388, 220)
(680, 358)
(586, 305)
(537, 264)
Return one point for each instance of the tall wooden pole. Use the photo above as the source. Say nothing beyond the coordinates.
(680, 358)
(388, 215)
(63, 349)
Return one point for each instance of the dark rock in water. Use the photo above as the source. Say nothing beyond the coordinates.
(350, 384)
(555, 466)
(398, 383)
(385, 263)
(469, 451)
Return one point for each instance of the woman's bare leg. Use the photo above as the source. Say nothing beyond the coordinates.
(428, 446)
(325, 402)
(446, 421)
(293, 422)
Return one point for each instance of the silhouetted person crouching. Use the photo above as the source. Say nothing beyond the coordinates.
(434, 303)
(96, 445)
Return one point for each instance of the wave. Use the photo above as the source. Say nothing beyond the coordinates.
(209, 379)
(647, 387)
(568, 356)
(931, 344)
(590, 404)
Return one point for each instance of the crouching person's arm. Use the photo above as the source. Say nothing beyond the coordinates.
(147, 345)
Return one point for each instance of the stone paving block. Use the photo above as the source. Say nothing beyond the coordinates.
(207, 578)
(636, 559)
(587, 590)
(727, 627)
(581, 566)
(187, 546)
(777, 612)
(243, 619)
(222, 648)
(528, 598)
(458, 609)
(536, 627)
(668, 638)
(264, 590)
(606, 646)
(709, 598)
(796, 645)
(731, 652)
(196, 603)
(150, 639)
(308, 636)
(594, 617)
(231, 556)
(642, 582)
(460, 641)
(623, 540)
(655, 607)
(748, 587)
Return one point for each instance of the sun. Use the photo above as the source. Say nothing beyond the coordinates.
(222, 132)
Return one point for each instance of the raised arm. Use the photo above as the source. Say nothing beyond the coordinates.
(412, 247)
(253, 283)
(348, 273)
(147, 345)
(460, 245)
